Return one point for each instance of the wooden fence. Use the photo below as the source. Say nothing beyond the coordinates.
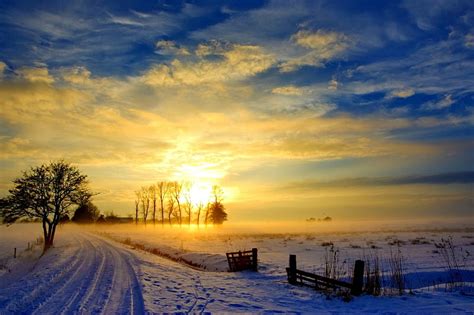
(243, 260)
(300, 277)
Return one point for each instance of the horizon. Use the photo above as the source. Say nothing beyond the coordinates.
(353, 111)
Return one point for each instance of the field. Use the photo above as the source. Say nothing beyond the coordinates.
(165, 285)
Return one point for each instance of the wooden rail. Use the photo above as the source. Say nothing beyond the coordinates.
(243, 260)
(301, 277)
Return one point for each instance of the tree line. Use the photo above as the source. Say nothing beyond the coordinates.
(170, 202)
(51, 192)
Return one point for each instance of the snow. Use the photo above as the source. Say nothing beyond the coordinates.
(88, 272)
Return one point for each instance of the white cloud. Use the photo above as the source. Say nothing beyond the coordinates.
(469, 41)
(441, 104)
(333, 85)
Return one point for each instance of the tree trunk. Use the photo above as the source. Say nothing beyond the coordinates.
(136, 212)
(154, 211)
(179, 211)
(162, 213)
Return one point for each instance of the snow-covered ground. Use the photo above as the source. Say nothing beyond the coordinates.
(88, 272)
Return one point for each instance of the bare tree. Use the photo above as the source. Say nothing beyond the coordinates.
(162, 190)
(138, 197)
(176, 193)
(208, 210)
(199, 208)
(171, 203)
(153, 191)
(145, 202)
(217, 193)
(188, 202)
(46, 192)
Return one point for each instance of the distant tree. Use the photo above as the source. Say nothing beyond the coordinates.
(153, 195)
(176, 190)
(162, 190)
(111, 217)
(137, 203)
(86, 213)
(208, 211)
(188, 202)
(217, 210)
(47, 192)
(171, 203)
(199, 208)
(218, 214)
(145, 202)
(101, 219)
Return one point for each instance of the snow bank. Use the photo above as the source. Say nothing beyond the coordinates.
(202, 261)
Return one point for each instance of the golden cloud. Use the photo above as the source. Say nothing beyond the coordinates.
(404, 93)
(76, 75)
(238, 62)
(322, 46)
(288, 90)
(3, 66)
(33, 74)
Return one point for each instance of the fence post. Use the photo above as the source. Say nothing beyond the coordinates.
(14, 252)
(292, 276)
(358, 280)
(254, 259)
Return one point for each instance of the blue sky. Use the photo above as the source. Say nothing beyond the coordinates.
(253, 95)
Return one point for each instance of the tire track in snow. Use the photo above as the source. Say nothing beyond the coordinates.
(36, 287)
(96, 277)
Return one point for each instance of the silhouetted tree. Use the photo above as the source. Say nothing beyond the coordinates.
(170, 208)
(153, 196)
(47, 192)
(176, 189)
(208, 211)
(188, 202)
(218, 214)
(217, 209)
(86, 213)
(145, 202)
(162, 190)
(101, 219)
(199, 208)
(137, 203)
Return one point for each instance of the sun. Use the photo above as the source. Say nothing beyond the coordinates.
(200, 192)
(201, 178)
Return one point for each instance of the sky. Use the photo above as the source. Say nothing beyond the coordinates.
(298, 109)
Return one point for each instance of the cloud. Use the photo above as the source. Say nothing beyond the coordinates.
(169, 47)
(469, 41)
(445, 102)
(288, 90)
(236, 62)
(3, 66)
(333, 85)
(322, 46)
(403, 93)
(34, 74)
(466, 177)
(125, 20)
(76, 75)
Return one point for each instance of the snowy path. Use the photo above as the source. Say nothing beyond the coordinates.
(90, 275)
